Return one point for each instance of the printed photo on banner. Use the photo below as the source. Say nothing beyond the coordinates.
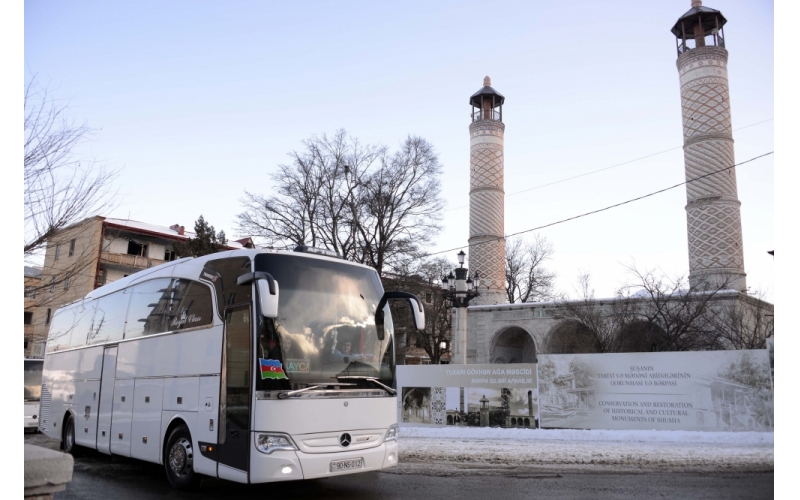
(476, 395)
(709, 390)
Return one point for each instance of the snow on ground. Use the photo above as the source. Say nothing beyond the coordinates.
(461, 450)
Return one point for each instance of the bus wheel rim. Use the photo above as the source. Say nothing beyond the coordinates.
(180, 457)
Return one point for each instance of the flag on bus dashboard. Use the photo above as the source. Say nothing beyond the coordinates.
(271, 368)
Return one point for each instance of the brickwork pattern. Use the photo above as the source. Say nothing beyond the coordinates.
(486, 209)
(713, 220)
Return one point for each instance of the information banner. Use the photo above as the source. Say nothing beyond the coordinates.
(468, 395)
(707, 390)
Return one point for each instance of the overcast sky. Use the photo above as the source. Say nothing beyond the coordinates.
(198, 101)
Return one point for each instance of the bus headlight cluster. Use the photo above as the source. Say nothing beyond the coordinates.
(391, 434)
(267, 443)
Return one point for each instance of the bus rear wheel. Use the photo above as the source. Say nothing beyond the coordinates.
(179, 460)
(68, 440)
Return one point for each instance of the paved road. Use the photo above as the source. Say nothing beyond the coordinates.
(102, 477)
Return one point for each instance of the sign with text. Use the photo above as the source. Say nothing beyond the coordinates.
(468, 395)
(707, 390)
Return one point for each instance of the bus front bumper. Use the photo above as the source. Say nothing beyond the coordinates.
(289, 465)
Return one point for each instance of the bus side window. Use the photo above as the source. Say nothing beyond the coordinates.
(109, 317)
(192, 305)
(149, 308)
(70, 326)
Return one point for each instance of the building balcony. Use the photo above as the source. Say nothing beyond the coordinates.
(128, 261)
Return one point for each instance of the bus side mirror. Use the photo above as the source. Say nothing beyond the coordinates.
(267, 291)
(413, 301)
(268, 299)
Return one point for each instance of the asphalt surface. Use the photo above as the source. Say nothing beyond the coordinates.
(100, 476)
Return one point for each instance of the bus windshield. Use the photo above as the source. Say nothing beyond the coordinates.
(33, 380)
(325, 331)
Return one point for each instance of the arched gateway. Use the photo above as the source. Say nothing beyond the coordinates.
(512, 345)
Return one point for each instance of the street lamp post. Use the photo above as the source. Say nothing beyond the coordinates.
(459, 290)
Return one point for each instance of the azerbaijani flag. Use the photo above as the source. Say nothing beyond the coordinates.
(271, 368)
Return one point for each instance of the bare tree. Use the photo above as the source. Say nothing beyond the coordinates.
(368, 205)
(591, 325)
(61, 189)
(684, 313)
(653, 312)
(419, 278)
(746, 322)
(527, 280)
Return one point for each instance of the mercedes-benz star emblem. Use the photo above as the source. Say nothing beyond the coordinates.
(345, 439)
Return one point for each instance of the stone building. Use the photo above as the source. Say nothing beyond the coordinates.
(33, 279)
(91, 253)
(515, 333)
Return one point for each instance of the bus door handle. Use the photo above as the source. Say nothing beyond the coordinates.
(234, 433)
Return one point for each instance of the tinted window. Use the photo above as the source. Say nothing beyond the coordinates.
(149, 308)
(191, 305)
(70, 326)
(109, 317)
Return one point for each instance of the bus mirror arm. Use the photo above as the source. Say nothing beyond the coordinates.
(267, 291)
(248, 278)
(413, 302)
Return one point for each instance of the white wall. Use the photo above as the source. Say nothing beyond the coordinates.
(117, 245)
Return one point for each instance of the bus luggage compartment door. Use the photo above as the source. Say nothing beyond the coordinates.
(146, 426)
(85, 409)
(121, 413)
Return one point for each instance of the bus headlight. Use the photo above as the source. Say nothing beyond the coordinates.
(267, 443)
(391, 434)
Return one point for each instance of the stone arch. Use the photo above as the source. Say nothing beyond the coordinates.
(512, 344)
(450, 420)
(527, 422)
(641, 336)
(513, 421)
(571, 337)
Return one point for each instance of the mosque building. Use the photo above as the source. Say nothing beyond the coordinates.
(498, 332)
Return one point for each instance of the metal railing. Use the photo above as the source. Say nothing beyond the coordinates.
(484, 114)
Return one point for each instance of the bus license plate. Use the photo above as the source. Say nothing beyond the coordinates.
(353, 463)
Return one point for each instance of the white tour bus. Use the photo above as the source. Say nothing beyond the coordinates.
(247, 365)
(33, 390)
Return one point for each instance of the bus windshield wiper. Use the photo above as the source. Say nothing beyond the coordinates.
(284, 395)
(368, 379)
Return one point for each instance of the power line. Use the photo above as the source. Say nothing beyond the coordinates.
(607, 168)
(605, 208)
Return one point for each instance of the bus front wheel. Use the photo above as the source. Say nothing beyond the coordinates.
(179, 460)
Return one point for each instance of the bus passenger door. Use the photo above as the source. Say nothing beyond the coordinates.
(106, 399)
(234, 426)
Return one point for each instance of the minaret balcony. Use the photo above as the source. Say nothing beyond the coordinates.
(487, 114)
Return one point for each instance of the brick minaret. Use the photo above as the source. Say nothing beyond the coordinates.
(712, 210)
(486, 204)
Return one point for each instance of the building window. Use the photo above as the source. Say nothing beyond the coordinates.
(58, 250)
(26, 344)
(30, 292)
(66, 282)
(137, 249)
(72, 248)
(428, 298)
(52, 284)
(28, 318)
(169, 254)
(47, 318)
(101, 277)
(425, 361)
